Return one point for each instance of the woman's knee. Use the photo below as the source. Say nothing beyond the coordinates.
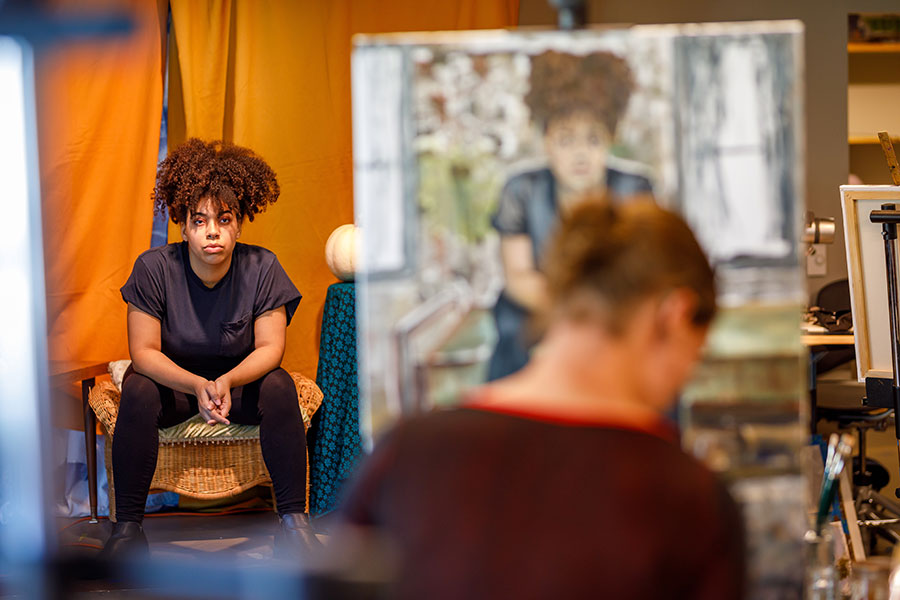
(277, 393)
(140, 396)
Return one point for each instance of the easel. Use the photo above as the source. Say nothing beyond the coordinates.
(881, 392)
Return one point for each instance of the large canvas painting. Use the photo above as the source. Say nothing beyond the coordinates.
(469, 146)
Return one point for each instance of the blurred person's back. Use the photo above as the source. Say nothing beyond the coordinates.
(565, 480)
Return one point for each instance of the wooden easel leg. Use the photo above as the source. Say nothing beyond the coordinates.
(856, 543)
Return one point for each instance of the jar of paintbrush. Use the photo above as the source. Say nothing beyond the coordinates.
(821, 579)
(821, 576)
(871, 579)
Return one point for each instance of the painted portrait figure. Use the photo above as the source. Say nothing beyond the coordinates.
(577, 102)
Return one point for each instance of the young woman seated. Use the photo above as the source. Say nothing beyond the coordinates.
(206, 333)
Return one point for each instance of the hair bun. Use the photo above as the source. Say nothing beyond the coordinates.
(620, 254)
(234, 175)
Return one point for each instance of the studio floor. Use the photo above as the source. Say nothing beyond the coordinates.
(239, 534)
(197, 542)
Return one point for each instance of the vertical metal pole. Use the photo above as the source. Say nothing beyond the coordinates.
(90, 445)
(813, 392)
(889, 233)
(863, 467)
(890, 255)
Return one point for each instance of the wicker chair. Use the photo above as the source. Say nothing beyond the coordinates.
(196, 459)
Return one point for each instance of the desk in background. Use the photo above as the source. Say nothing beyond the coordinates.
(824, 342)
(827, 339)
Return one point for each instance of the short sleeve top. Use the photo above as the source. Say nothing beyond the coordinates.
(528, 203)
(208, 331)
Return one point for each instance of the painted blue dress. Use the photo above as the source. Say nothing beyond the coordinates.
(528, 206)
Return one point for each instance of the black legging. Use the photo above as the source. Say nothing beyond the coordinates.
(270, 402)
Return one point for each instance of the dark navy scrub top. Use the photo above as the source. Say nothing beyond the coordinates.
(208, 331)
(528, 206)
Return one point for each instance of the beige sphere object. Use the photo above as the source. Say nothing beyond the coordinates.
(340, 252)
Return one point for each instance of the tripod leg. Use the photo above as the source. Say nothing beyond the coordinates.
(856, 543)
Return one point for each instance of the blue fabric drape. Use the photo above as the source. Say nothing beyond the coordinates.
(333, 438)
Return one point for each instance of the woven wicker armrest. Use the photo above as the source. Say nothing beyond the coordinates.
(104, 400)
(309, 394)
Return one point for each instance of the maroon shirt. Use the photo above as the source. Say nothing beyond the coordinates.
(483, 504)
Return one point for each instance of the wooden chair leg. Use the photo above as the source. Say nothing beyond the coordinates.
(111, 488)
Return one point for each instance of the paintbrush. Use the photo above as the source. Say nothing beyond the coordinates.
(833, 469)
(833, 441)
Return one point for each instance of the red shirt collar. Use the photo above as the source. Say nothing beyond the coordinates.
(662, 428)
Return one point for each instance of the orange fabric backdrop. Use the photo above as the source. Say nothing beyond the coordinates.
(99, 112)
(272, 76)
(276, 77)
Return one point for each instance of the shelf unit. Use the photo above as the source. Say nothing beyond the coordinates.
(873, 47)
(873, 105)
(860, 140)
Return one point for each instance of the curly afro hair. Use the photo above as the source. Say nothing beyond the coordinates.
(197, 170)
(599, 83)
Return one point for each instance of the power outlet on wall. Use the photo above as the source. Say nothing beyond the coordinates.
(816, 259)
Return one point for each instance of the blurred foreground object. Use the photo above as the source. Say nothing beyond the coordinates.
(27, 548)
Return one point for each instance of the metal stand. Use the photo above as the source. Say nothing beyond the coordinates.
(877, 515)
(877, 393)
(570, 14)
(90, 445)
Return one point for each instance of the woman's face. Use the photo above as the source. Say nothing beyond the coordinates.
(577, 146)
(211, 232)
(672, 346)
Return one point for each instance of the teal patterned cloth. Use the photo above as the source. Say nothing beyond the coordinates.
(333, 437)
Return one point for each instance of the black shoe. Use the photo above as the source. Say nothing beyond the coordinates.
(296, 540)
(126, 541)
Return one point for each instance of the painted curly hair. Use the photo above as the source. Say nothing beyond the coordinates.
(599, 83)
(196, 170)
